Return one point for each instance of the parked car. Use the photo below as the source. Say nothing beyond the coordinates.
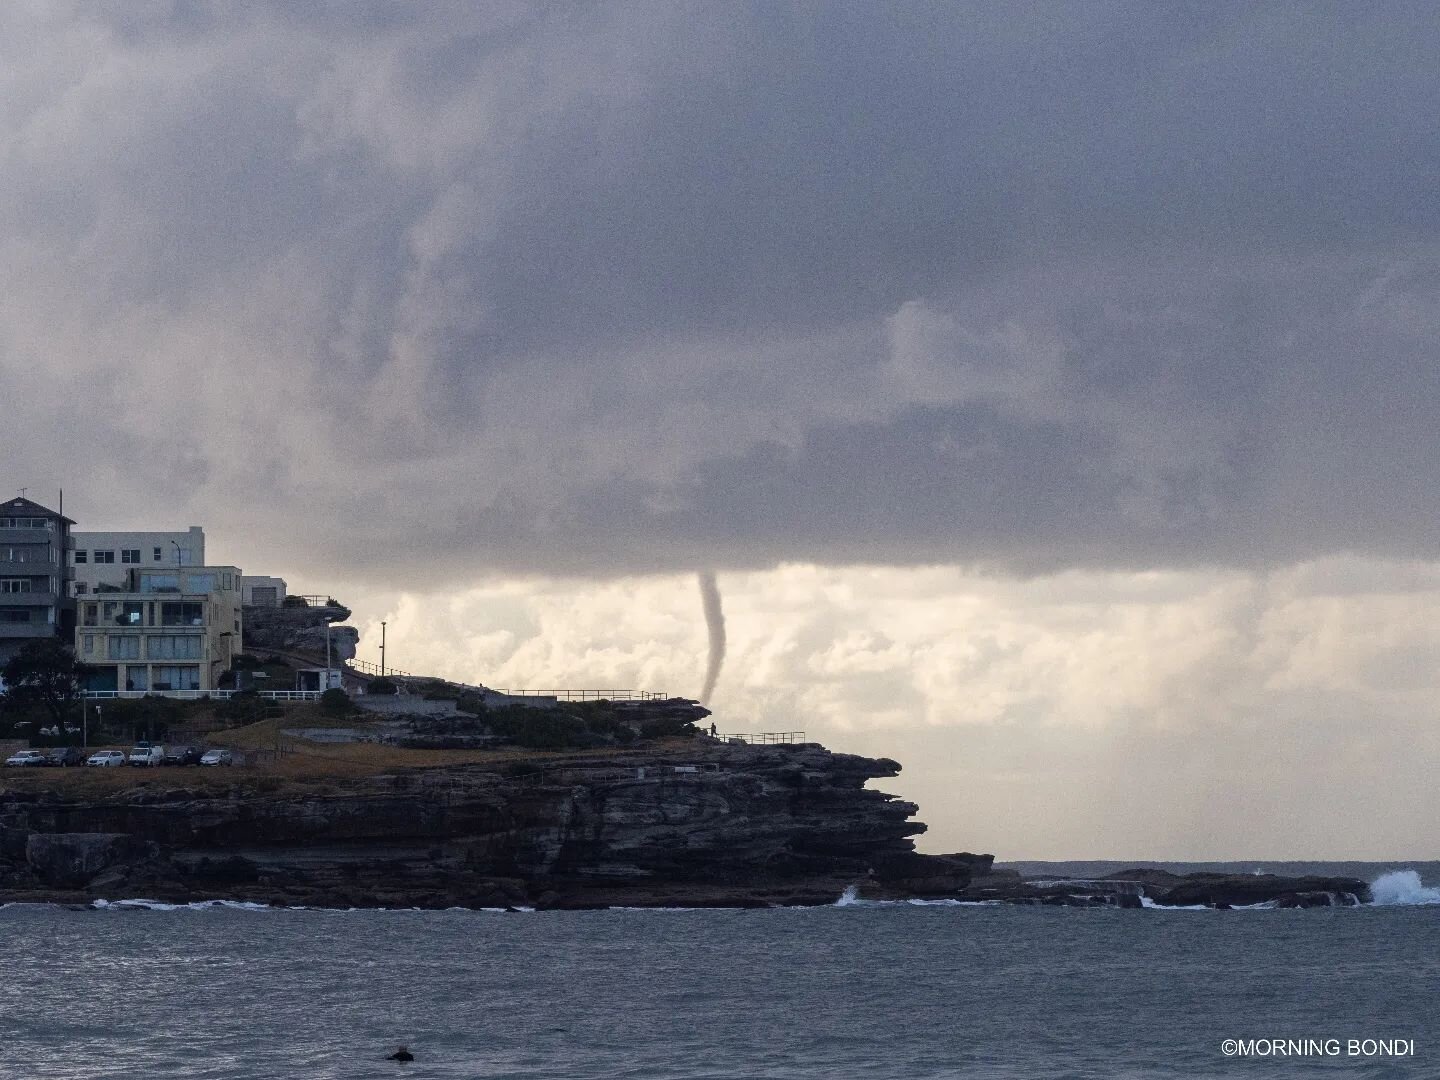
(145, 754)
(65, 756)
(183, 755)
(106, 758)
(218, 757)
(27, 757)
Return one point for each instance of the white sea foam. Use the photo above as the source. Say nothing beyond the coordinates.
(850, 897)
(158, 905)
(1402, 887)
(1146, 902)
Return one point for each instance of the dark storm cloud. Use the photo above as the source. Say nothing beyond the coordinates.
(661, 286)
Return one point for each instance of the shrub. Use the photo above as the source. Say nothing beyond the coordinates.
(381, 685)
(244, 707)
(294, 602)
(335, 702)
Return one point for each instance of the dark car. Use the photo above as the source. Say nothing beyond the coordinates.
(182, 755)
(65, 755)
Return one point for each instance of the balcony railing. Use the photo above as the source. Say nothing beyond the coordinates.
(12, 630)
(589, 695)
(29, 599)
(26, 536)
(284, 697)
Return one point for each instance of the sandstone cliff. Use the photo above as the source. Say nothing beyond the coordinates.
(706, 824)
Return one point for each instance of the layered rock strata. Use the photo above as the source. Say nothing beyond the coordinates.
(704, 825)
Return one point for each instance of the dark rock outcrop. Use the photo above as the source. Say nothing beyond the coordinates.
(1134, 888)
(700, 825)
(300, 629)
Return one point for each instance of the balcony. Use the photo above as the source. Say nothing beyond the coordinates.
(12, 631)
(29, 599)
(26, 536)
(32, 567)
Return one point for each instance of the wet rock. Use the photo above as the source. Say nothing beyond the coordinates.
(73, 860)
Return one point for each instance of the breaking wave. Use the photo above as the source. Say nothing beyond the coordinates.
(1402, 887)
(157, 905)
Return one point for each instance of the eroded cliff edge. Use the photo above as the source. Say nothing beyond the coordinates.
(706, 824)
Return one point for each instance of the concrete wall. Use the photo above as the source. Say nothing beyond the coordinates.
(249, 597)
(143, 545)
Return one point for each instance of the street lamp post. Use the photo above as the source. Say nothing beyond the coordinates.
(382, 648)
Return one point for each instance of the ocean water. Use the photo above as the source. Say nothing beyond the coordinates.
(856, 990)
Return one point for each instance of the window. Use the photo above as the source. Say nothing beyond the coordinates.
(104, 556)
(132, 613)
(88, 644)
(14, 584)
(157, 554)
(82, 557)
(110, 612)
(182, 614)
(91, 614)
(200, 583)
(123, 648)
(177, 677)
(26, 523)
(81, 588)
(159, 583)
(129, 555)
(174, 646)
(14, 615)
(137, 678)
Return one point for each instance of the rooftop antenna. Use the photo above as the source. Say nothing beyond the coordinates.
(22, 492)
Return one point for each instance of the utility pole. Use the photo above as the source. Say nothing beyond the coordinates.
(382, 648)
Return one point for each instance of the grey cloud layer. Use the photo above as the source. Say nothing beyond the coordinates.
(643, 287)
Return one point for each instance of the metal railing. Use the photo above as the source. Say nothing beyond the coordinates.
(284, 696)
(588, 695)
(367, 668)
(313, 600)
(762, 738)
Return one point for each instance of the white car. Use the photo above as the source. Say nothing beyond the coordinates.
(106, 758)
(145, 754)
(28, 757)
(218, 757)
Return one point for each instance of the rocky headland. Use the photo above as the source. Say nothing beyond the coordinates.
(690, 822)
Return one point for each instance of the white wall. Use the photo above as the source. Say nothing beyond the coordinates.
(248, 585)
(88, 574)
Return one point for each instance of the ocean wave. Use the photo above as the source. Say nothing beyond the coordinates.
(159, 905)
(1402, 888)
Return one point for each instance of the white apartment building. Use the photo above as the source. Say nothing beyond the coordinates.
(172, 628)
(102, 560)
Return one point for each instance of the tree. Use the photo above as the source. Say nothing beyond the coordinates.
(44, 674)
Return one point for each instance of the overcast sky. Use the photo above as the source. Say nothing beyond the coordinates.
(1052, 387)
